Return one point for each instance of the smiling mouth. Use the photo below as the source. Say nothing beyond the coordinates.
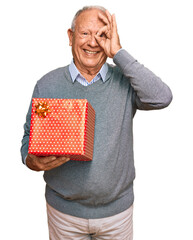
(90, 52)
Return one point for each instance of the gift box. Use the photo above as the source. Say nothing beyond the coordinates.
(62, 127)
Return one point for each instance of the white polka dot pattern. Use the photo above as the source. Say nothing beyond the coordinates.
(67, 130)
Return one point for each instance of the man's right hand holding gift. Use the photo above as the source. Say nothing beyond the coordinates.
(37, 163)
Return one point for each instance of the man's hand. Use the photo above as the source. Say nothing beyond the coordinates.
(44, 163)
(107, 37)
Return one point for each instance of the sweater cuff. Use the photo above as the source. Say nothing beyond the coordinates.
(24, 161)
(122, 58)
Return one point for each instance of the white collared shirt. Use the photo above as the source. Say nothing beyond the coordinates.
(76, 75)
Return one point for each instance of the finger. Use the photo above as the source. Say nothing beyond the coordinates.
(42, 159)
(60, 159)
(56, 163)
(63, 159)
(114, 23)
(103, 30)
(103, 18)
(108, 16)
(47, 159)
(50, 159)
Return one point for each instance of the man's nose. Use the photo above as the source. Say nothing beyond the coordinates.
(92, 41)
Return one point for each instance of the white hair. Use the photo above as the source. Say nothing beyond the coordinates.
(82, 10)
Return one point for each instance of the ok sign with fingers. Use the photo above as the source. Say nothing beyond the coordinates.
(107, 37)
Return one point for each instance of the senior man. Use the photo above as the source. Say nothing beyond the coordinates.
(94, 200)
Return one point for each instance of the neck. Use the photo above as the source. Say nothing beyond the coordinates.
(88, 73)
(89, 76)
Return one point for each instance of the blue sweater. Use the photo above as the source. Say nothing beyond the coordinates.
(104, 186)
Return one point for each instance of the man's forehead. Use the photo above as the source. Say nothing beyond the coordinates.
(89, 18)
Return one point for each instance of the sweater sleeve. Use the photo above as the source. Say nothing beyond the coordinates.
(149, 91)
(25, 139)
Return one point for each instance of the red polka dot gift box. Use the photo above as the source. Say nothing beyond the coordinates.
(62, 127)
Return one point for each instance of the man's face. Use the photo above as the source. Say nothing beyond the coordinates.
(87, 54)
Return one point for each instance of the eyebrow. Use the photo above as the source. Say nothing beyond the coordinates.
(86, 29)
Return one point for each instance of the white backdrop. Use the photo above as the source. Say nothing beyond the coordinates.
(158, 33)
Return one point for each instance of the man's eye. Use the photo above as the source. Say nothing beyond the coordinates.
(85, 33)
(103, 35)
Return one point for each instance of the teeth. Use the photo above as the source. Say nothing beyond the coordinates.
(90, 52)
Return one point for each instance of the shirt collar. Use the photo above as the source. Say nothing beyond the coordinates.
(75, 73)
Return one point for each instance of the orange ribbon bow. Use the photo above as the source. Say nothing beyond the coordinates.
(42, 109)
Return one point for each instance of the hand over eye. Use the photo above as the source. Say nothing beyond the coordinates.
(107, 36)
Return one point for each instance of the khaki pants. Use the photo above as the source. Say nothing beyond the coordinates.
(62, 226)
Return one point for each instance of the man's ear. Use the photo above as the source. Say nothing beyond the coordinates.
(70, 36)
